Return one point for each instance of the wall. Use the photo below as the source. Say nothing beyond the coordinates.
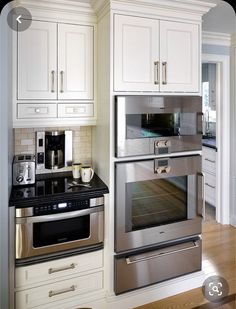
(24, 140)
(5, 155)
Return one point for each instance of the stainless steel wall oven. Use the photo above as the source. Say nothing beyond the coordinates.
(157, 200)
(159, 197)
(157, 125)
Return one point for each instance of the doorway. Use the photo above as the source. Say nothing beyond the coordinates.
(216, 108)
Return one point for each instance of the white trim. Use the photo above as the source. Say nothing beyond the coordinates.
(223, 135)
(215, 38)
(190, 6)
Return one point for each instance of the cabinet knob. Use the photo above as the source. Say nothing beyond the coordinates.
(37, 110)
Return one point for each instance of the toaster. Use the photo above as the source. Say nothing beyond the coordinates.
(23, 169)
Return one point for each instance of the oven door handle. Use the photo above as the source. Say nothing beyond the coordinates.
(63, 216)
(201, 195)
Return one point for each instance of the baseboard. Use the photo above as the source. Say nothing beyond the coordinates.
(156, 292)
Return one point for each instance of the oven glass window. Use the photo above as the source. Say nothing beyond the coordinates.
(160, 125)
(55, 232)
(156, 202)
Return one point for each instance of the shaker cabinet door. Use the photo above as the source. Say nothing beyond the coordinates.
(75, 62)
(179, 54)
(37, 62)
(136, 54)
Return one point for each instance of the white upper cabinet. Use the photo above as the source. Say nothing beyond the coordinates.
(37, 61)
(179, 54)
(136, 51)
(75, 62)
(155, 55)
(55, 61)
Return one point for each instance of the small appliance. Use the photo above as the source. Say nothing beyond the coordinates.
(23, 169)
(53, 149)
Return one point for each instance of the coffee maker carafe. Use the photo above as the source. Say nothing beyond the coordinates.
(54, 149)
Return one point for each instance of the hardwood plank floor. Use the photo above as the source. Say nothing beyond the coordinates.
(219, 258)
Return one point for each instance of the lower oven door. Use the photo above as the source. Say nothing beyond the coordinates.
(157, 201)
(42, 235)
(139, 270)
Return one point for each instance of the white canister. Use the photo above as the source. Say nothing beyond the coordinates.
(76, 170)
(87, 173)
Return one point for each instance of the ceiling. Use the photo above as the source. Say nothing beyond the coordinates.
(221, 18)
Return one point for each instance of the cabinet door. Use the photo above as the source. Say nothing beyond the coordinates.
(37, 61)
(136, 49)
(75, 62)
(179, 55)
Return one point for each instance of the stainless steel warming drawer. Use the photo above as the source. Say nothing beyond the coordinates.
(139, 270)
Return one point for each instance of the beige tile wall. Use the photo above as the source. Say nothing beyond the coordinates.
(82, 142)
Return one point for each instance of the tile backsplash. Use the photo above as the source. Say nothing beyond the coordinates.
(82, 142)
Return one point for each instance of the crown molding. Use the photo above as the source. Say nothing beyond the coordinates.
(233, 40)
(187, 6)
(216, 38)
(67, 6)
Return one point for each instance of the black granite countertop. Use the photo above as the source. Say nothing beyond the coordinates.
(55, 187)
(209, 142)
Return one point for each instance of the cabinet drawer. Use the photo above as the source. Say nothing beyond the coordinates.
(75, 110)
(65, 289)
(29, 111)
(209, 160)
(54, 270)
(210, 188)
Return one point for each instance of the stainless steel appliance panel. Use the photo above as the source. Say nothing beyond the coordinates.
(157, 125)
(145, 176)
(23, 170)
(38, 235)
(139, 270)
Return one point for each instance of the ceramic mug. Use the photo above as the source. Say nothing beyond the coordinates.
(76, 170)
(87, 173)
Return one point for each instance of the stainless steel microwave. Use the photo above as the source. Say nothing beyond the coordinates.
(158, 125)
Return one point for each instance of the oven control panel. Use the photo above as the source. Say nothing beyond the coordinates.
(47, 209)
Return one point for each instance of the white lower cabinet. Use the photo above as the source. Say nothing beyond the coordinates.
(65, 279)
(209, 170)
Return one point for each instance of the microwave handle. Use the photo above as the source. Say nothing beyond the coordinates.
(201, 195)
(62, 216)
(199, 123)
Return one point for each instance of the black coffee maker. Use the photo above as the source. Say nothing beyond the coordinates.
(54, 149)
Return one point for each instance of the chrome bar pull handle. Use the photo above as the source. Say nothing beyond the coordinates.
(53, 81)
(207, 184)
(56, 270)
(201, 195)
(62, 291)
(211, 161)
(156, 73)
(62, 81)
(164, 73)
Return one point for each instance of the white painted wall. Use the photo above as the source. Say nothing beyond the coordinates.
(5, 154)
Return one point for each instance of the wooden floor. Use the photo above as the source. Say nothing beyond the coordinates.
(219, 258)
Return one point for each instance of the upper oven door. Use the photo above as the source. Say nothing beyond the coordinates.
(157, 125)
(157, 201)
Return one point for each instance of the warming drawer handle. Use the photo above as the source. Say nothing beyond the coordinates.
(67, 215)
(62, 291)
(137, 259)
(63, 268)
